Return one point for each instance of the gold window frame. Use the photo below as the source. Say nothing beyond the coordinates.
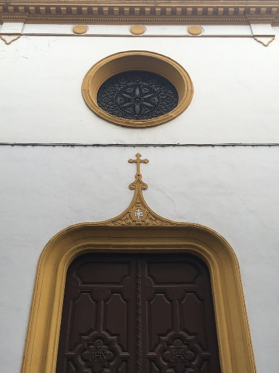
(137, 61)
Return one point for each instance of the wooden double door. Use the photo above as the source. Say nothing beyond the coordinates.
(138, 313)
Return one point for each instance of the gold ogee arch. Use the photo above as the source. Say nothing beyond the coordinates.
(132, 231)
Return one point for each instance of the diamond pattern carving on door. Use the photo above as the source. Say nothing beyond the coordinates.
(138, 313)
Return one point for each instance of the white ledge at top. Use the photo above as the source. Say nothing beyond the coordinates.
(17, 28)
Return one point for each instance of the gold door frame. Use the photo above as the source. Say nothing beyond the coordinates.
(236, 353)
(138, 229)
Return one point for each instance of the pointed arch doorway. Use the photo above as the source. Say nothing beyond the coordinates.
(139, 230)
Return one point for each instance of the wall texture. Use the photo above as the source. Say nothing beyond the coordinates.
(232, 189)
(235, 81)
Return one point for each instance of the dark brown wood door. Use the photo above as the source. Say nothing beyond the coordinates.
(138, 314)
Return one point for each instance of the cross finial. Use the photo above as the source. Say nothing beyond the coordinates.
(138, 161)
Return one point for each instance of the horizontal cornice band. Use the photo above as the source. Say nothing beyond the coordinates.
(145, 12)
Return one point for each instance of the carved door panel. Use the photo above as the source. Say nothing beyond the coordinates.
(179, 332)
(138, 314)
(98, 329)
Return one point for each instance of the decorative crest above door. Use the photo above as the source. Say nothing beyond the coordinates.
(138, 212)
(155, 235)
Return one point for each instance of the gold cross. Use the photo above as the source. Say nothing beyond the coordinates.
(138, 161)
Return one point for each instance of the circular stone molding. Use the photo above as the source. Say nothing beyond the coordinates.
(80, 29)
(137, 30)
(195, 30)
(137, 61)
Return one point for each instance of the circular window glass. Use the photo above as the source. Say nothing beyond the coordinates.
(137, 95)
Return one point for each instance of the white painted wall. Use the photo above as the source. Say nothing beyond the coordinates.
(233, 190)
(235, 79)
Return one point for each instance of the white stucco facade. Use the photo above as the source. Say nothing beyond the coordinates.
(195, 174)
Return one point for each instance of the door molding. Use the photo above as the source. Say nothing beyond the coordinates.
(138, 229)
(235, 347)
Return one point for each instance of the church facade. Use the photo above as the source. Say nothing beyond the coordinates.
(145, 131)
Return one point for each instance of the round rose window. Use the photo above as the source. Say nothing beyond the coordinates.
(137, 95)
(137, 89)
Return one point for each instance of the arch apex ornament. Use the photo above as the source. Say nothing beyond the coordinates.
(138, 212)
(138, 230)
(138, 176)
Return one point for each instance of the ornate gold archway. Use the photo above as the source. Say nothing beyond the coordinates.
(138, 229)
